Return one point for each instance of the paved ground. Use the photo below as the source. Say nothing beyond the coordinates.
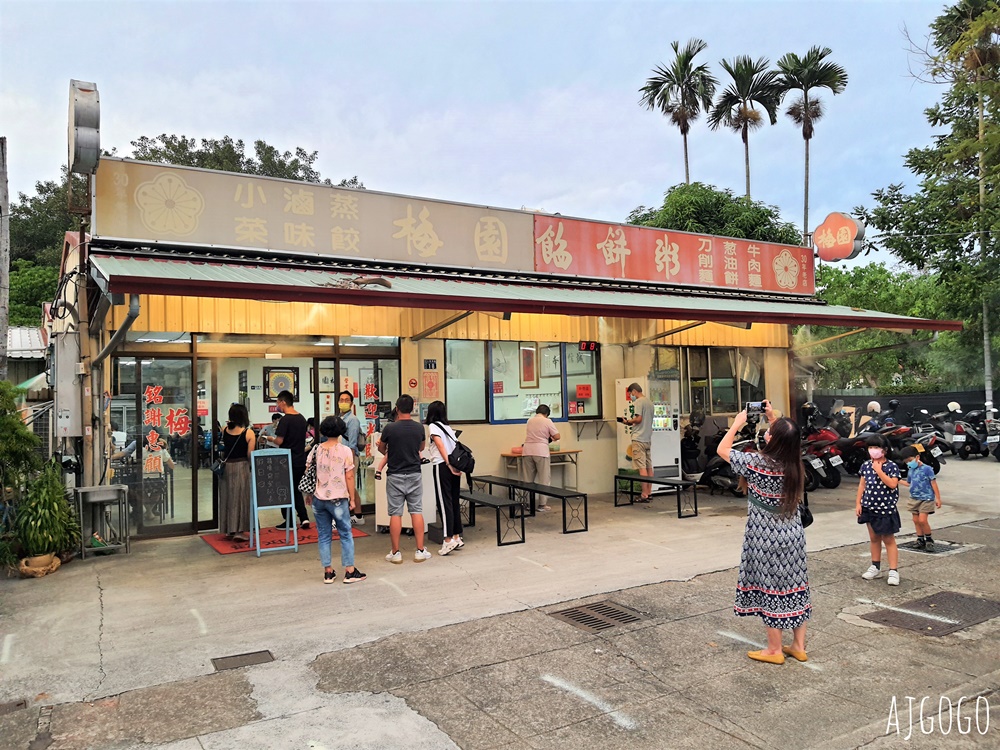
(462, 651)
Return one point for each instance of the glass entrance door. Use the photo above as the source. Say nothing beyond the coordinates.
(159, 408)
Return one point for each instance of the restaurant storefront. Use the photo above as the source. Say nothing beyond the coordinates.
(212, 288)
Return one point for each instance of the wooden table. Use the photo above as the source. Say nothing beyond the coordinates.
(512, 463)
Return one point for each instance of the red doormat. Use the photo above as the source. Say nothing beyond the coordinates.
(269, 537)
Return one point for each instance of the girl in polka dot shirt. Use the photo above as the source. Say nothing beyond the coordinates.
(875, 506)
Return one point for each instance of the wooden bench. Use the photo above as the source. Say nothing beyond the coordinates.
(574, 503)
(625, 484)
(509, 527)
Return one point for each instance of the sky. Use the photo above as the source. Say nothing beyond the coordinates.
(506, 104)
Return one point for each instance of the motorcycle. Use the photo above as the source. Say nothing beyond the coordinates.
(971, 435)
(819, 440)
(718, 474)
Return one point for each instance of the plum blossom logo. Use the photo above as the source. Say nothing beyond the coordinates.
(786, 270)
(168, 205)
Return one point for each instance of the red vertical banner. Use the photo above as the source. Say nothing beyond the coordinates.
(615, 251)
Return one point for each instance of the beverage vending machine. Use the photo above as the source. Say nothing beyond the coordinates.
(666, 443)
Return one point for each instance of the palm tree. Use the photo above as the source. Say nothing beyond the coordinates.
(805, 74)
(753, 86)
(681, 91)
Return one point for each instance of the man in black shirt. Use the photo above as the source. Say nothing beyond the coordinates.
(291, 435)
(402, 441)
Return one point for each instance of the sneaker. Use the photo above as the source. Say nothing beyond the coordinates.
(329, 576)
(306, 525)
(543, 508)
(357, 520)
(395, 557)
(893, 578)
(284, 527)
(421, 554)
(460, 543)
(354, 576)
(871, 573)
(448, 547)
(929, 546)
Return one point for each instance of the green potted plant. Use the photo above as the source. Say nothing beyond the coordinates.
(46, 523)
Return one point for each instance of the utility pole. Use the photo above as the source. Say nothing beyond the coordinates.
(4, 258)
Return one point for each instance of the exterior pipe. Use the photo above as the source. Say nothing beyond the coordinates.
(116, 338)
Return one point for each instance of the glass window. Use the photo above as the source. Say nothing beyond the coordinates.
(698, 380)
(465, 380)
(750, 370)
(722, 364)
(583, 383)
(526, 374)
(668, 365)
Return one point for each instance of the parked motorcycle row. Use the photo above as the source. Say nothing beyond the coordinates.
(833, 445)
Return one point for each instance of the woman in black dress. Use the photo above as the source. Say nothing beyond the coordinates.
(234, 486)
(773, 581)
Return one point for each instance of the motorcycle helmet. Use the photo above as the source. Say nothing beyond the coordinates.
(808, 409)
(874, 406)
(893, 404)
(954, 406)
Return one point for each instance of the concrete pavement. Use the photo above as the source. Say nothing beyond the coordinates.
(461, 651)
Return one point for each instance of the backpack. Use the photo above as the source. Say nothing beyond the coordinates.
(460, 457)
(362, 436)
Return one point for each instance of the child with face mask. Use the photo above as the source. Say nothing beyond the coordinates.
(878, 495)
(925, 497)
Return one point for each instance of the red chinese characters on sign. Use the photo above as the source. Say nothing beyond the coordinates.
(371, 410)
(583, 390)
(153, 394)
(178, 422)
(612, 251)
(371, 392)
(153, 417)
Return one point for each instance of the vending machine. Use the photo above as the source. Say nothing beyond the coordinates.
(666, 443)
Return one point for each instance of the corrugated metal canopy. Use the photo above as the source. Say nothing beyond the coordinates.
(171, 275)
(25, 342)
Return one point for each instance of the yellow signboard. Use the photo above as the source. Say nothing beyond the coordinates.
(157, 203)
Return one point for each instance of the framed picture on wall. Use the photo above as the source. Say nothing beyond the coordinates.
(528, 359)
(550, 361)
(278, 379)
(579, 363)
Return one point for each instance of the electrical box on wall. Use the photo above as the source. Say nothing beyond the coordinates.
(68, 406)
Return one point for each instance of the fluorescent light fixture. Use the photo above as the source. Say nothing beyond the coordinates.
(272, 355)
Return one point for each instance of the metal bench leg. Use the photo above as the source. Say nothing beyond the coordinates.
(574, 515)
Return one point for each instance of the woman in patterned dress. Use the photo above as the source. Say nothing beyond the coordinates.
(773, 582)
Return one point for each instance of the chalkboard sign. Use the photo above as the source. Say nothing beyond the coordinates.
(271, 487)
(272, 477)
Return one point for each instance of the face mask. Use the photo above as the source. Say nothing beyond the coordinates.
(344, 407)
(876, 452)
(913, 464)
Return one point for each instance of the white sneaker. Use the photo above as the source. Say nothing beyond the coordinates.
(357, 520)
(421, 554)
(460, 543)
(872, 572)
(448, 547)
(893, 578)
(395, 557)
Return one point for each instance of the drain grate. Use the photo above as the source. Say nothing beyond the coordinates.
(940, 614)
(242, 660)
(598, 616)
(941, 548)
(12, 706)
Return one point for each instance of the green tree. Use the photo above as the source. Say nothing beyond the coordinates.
(915, 357)
(39, 222)
(703, 209)
(682, 91)
(31, 286)
(752, 86)
(951, 222)
(228, 155)
(805, 74)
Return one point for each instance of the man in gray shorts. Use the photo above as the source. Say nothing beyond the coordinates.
(642, 436)
(402, 441)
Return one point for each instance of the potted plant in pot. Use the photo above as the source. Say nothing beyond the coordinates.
(46, 523)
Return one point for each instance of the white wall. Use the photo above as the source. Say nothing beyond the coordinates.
(229, 385)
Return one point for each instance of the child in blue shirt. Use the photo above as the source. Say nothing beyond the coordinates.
(878, 495)
(925, 496)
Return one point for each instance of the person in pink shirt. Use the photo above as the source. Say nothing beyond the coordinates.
(334, 499)
(536, 462)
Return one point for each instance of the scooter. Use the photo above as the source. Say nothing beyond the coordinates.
(718, 474)
(971, 435)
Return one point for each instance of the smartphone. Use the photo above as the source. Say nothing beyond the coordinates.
(755, 407)
(621, 419)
